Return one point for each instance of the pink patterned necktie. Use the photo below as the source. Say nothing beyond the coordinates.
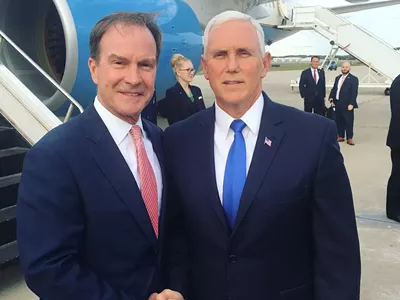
(148, 183)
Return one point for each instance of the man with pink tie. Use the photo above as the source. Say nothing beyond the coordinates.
(344, 96)
(89, 212)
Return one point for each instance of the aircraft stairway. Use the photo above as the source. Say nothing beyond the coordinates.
(24, 119)
(12, 152)
(355, 40)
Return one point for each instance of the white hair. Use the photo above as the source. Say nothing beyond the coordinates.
(231, 15)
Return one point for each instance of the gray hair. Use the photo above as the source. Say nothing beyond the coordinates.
(125, 18)
(231, 15)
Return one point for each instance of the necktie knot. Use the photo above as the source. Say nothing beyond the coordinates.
(136, 132)
(238, 125)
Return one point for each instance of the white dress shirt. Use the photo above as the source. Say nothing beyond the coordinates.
(312, 72)
(119, 131)
(340, 83)
(224, 137)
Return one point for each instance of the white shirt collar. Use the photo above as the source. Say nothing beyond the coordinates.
(252, 117)
(117, 127)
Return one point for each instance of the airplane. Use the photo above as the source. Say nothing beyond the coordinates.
(55, 34)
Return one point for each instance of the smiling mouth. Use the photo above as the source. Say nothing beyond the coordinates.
(134, 94)
(232, 82)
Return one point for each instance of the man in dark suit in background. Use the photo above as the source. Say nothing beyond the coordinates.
(259, 203)
(150, 111)
(344, 95)
(393, 141)
(313, 88)
(91, 190)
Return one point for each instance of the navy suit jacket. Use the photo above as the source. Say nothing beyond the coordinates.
(83, 228)
(295, 235)
(177, 106)
(348, 92)
(309, 90)
(150, 111)
(393, 138)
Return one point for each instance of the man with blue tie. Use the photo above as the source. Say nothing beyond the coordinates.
(91, 194)
(257, 207)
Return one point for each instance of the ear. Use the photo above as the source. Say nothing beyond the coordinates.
(93, 69)
(204, 65)
(266, 64)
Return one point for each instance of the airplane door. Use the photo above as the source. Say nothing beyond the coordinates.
(283, 9)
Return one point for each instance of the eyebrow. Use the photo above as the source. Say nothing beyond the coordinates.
(113, 56)
(226, 51)
(117, 57)
(150, 61)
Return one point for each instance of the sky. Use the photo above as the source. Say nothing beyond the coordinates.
(383, 22)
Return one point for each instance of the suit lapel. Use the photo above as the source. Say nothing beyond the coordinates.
(206, 160)
(271, 127)
(118, 173)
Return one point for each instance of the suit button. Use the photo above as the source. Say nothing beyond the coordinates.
(232, 259)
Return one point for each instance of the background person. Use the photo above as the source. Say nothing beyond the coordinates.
(183, 99)
(313, 88)
(344, 95)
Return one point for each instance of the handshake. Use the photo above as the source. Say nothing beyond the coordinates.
(166, 295)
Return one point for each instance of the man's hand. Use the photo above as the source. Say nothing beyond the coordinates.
(166, 295)
(330, 100)
(350, 107)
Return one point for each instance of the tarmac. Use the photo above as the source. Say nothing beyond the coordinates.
(368, 165)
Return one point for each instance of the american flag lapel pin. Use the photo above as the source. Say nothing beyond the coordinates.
(267, 142)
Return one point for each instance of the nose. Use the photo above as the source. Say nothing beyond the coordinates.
(132, 75)
(232, 63)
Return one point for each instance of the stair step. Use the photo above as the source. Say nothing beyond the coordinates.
(8, 252)
(12, 151)
(11, 160)
(8, 213)
(9, 180)
(8, 231)
(9, 138)
(9, 190)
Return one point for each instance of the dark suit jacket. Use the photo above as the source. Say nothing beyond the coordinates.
(348, 92)
(150, 111)
(295, 235)
(83, 228)
(393, 138)
(309, 90)
(178, 106)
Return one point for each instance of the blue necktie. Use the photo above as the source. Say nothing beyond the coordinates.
(235, 173)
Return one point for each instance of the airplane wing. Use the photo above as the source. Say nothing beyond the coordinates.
(362, 6)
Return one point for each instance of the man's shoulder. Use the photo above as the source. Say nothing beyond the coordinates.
(185, 127)
(305, 71)
(63, 136)
(353, 76)
(296, 119)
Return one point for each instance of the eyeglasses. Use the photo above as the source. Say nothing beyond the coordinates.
(190, 70)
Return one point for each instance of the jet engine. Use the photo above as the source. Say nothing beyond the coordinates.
(55, 34)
